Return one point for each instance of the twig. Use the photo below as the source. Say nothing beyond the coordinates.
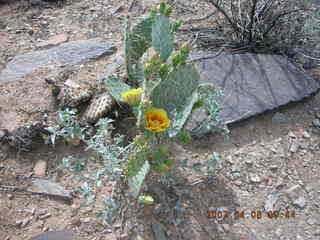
(253, 10)
(277, 18)
(219, 8)
(207, 57)
(133, 2)
(200, 19)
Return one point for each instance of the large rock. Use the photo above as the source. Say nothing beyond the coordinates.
(253, 83)
(65, 54)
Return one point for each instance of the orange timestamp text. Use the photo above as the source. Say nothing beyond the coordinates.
(255, 214)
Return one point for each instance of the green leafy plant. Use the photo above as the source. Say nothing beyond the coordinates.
(68, 127)
(163, 89)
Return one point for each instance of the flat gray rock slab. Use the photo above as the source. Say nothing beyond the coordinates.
(65, 54)
(56, 235)
(49, 188)
(253, 84)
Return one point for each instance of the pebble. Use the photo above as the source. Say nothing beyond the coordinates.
(255, 178)
(10, 196)
(300, 202)
(294, 148)
(249, 162)
(45, 216)
(270, 202)
(273, 167)
(306, 134)
(40, 168)
(85, 220)
(311, 221)
(291, 134)
(279, 183)
(316, 123)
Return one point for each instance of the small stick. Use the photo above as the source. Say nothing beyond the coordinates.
(133, 2)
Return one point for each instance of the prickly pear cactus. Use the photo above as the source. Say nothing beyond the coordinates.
(162, 39)
(169, 85)
(137, 41)
(99, 106)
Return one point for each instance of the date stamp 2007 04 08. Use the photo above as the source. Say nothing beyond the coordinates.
(254, 214)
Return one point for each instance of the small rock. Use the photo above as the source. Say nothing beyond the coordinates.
(270, 202)
(25, 222)
(295, 194)
(279, 183)
(306, 134)
(40, 168)
(300, 202)
(249, 162)
(45, 216)
(291, 134)
(317, 115)
(85, 220)
(18, 223)
(273, 167)
(10, 196)
(278, 232)
(311, 221)
(42, 212)
(255, 178)
(294, 147)
(316, 123)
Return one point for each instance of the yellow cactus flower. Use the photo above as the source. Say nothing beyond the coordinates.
(156, 120)
(133, 96)
(146, 199)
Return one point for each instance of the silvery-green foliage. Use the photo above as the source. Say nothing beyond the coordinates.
(208, 167)
(111, 209)
(68, 126)
(74, 164)
(209, 96)
(86, 191)
(109, 148)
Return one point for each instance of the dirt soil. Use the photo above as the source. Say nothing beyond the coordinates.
(270, 163)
